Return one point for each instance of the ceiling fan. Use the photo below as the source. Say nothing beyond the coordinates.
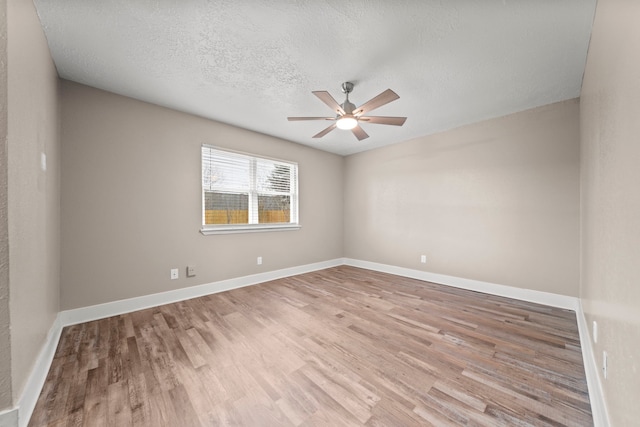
(348, 117)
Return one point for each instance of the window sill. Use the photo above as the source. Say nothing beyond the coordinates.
(250, 229)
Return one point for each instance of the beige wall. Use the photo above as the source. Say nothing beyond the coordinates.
(33, 194)
(610, 133)
(495, 201)
(131, 201)
(5, 332)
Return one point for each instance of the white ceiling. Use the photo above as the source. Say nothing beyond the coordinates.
(252, 63)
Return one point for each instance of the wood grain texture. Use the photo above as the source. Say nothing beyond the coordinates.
(337, 347)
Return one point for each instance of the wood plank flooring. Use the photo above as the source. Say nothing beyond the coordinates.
(337, 347)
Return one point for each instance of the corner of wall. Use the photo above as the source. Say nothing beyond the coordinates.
(9, 418)
(32, 147)
(5, 332)
(596, 394)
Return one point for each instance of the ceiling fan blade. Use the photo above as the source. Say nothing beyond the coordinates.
(384, 98)
(295, 119)
(324, 132)
(329, 100)
(359, 133)
(382, 120)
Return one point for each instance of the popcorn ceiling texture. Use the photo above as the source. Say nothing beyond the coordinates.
(252, 63)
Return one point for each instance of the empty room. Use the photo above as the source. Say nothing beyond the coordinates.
(319, 213)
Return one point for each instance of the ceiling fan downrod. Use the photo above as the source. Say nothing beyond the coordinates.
(347, 106)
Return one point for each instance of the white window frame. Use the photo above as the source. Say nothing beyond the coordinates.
(253, 225)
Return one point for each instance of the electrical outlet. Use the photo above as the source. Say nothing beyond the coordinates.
(595, 332)
(259, 260)
(191, 270)
(423, 259)
(174, 273)
(605, 363)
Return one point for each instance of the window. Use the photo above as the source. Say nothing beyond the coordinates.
(241, 192)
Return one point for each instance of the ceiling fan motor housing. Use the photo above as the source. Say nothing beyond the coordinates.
(348, 107)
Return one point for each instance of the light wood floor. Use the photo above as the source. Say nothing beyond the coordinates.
(338, 347)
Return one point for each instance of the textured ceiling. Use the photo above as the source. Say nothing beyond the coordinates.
(252, 63)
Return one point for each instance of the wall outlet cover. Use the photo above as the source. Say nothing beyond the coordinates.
(191, 270)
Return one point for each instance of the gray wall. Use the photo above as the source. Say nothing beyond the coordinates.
(610, 130)
(131, 201)
(34, 210)
(496, 201)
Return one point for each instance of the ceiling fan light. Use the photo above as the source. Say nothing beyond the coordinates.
(346, 122)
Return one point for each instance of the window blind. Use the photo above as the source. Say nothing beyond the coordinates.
(242, 191)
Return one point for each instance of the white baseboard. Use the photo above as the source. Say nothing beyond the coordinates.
(32, 388)
(100, 311)
(9, 418)
(85, 314)
(546, 298)
(596, 395)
